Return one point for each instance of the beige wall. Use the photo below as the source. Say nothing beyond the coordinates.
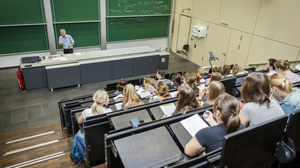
(246, 32)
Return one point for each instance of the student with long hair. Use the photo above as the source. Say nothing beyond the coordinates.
(226, 71)
(271, 67)
(226, 111)
(191, 82)
(187, 100)
(215, 76)
(131, 99)
(258, 106)
(162, 92)
(149, 84)
(199, 76)
(101, 99)
(283, 67)
(213, 90)
(176, 81)
(283, 88)
(237, 70)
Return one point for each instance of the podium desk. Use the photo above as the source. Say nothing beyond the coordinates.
(56, 71)
(152, 148)
(123, 121)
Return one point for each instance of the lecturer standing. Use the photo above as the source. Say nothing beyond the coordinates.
(66, 41)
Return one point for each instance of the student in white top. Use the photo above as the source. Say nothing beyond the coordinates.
(101, 99)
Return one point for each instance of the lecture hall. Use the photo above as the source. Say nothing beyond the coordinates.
(150, 83)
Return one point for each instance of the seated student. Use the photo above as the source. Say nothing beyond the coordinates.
(101, 99)
(237, 70)
(191, 82)
(226, 111)
(217, 69)
(131, 99)
(162, 92)
(282, 87)
(215, 76)
(214, 89)
(226, 71)
(283, 67)
(258, 106)
(199, 76)
(187, 100)
(176, 81)
(160, 75)
(120, 86)
(149, 84)
(271, 67)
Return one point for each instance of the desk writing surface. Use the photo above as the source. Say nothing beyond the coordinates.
(181, 133)
(152, 148)
(123, 121)
(157, 112)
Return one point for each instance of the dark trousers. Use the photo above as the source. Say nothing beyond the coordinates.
(68, 51)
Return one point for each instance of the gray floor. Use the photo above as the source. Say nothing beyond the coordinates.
(21, 110)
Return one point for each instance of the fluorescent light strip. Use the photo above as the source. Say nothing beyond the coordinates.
(38, 160)
(30, 137)
(30, 147)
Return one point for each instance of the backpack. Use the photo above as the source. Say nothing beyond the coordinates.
(77, 152)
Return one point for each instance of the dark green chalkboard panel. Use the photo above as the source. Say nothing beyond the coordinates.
(75, 10)
(84, 34)
(138, 7)
(22, 39)
(130, 28)
(21, 12)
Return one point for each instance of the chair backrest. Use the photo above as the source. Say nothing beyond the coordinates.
(253, 146)
(94, 131)
(229, 84)
(293, 129)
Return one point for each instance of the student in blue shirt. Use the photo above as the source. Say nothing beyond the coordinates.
(281, 86)
(66, 41)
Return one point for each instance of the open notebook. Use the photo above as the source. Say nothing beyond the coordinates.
(168, 109)
(194, 124)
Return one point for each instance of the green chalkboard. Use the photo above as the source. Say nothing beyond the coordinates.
(21, 12)
(75, 10)
(131, 28)
(84, 34)
(138, 7)
(23, 39)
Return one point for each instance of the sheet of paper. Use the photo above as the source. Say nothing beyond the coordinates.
(118, 106)
(59, 59)
(193, 124)
(118, 96)
(173, 94)
(140, 90)
(77, 54)
(168, 109)
(145, 94)
(107, 110)
(136, 87)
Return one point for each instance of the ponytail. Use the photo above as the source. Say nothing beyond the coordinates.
(233, 122)
(279, 81)
(229, 108)
(100, 98)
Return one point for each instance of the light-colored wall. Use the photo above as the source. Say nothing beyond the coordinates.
(246, 32)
